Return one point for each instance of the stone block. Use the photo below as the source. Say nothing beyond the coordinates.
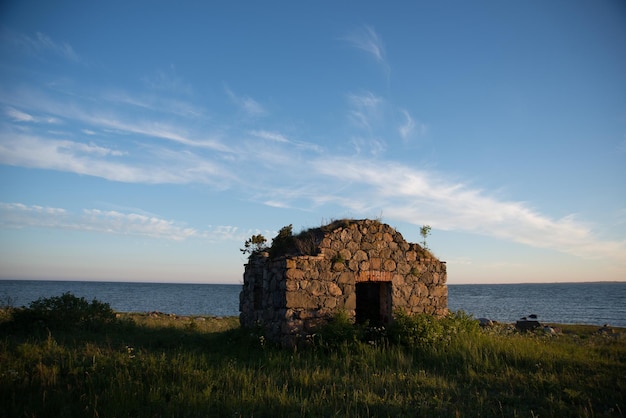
(346, 277)
(339, 266)
(294, 274)
(360, 255)
(389, 265)
(350, 303)
(345, 254)
(403, 268)
(438, 291)
(301, 299)
(375, 263)
(334, 290)
(316, 288)
(329, 303)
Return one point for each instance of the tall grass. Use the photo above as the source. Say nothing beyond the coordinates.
(165, 366)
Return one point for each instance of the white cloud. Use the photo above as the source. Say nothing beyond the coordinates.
(152, 129)
(40, 44)
(160, 166)
(133, 224)
(281, 139)
(19, 215)
(79, 147)
(156, 103)
(420, 197)
(408, 128)
(289, 177)
(367, 100)
(366, 110)
(373, 146)
(366, 39)
(60, 48)
(18, 115)
(271, 136)
(168, 80)
(247, 104)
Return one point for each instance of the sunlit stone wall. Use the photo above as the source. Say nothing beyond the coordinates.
(363, 267)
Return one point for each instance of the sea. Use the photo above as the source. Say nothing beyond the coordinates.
(595, 303)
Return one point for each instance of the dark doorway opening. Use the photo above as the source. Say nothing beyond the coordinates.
(373, 303)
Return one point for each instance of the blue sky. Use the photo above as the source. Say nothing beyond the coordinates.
(147, 140)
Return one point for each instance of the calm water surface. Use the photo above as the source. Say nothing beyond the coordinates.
(583, 303)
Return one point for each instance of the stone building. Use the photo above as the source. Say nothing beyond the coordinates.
(363, 267)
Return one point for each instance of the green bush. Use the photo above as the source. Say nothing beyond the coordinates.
(339, 331)
(418, 331)
(460, 323)
(423, 330)
(66, 312)
(283, 243)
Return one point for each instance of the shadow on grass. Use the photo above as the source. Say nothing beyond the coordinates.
(217, 335)
(159, 365)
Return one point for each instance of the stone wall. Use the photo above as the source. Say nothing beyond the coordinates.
(365, 268)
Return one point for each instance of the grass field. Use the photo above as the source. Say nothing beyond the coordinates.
(142, 365)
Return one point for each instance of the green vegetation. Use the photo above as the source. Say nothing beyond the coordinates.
(156, 365)
(254, 244)
(425, 232)
(306, 242)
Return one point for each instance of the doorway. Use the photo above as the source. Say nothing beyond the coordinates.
(373, 303)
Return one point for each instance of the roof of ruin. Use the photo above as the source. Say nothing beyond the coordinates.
(308, 241)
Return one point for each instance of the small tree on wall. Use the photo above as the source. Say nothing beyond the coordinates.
(425, 232)
(254, 244)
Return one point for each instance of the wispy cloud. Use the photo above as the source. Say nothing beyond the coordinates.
(162, 150)
(150, 128)
(167, 80)
(61, 48)
(39, 44)
(20, 116)
(282, 139)
(367, 113)
(365, 109)
(159, 165)
(270, 136)
(245, 103)
(422, 197)
(105, 118)
(367, 39)
(410, 127)
(164, 104)
(133, 224)
(139, 224)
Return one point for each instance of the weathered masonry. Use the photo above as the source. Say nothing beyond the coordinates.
(363, 267)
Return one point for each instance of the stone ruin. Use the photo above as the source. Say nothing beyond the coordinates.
(363, 267)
